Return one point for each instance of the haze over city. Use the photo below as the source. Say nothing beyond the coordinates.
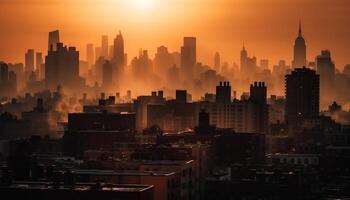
(266, 27)
(175, 99)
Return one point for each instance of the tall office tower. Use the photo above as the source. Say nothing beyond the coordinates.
(299, 51)
(243, 59)
(62, 67)
(217, 62)
(188, 57)
(39, 62)
(302, 97)
(107, 75)
(163, 61)
(90, 56)
(223, 93)
(119, 54)
(29, 60)
(325, 68)
(258, 96)
(54, 38)
(104, 46)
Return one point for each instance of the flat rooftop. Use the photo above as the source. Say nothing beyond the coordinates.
(121, 173)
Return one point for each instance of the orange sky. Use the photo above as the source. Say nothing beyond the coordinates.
(268, 27)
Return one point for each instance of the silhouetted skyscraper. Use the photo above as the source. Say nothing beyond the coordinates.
(90, 57)
(54, 38)
(4, 71)
(39, 62)
(107, 75)
(119, 54)
(62, 67)
(299, 51)
(325, 68)
(258, 95)
(104, 46)
(188, 56)
(302, 96)
(223, 92)
(217, 62)
(163, 61)
(29, 60)
(248, 64)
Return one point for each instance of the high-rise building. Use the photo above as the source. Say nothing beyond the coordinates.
(223, 93)
(29, 60)
(4, 71)
(217, 62)
(248, 64)
(119, 54)
(163, 61)
(325, 68)
(104, 46)
(299, 51)
(54, 38)
(188, 56)
(258, 96)
(90, 56)
(39, 62)
(302, 97)
(62, 67)
(107, 75)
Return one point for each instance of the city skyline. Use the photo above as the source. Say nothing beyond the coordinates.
(225, 35)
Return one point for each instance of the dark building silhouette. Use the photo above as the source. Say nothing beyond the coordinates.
(248, 64)
(119, 54)
(223, 92)
(29, 60)
(258, 96)
(54, 38)
(299, 51)
(302, 97)
(326, 70)
(8, 81)
(181, 96)
(38, 64)
(62, 67)
(107, 75)
(188, 56)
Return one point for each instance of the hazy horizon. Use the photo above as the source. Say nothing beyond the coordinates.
(268, 28)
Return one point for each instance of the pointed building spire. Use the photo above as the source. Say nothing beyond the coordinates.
(300, 33)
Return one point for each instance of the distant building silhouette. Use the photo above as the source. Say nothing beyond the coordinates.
(29, 60)
(299, 51)
(217, 62)
(248, 64)
(107, 75)
(302, 97)
(38, 64)
(326, 69)
(62, 67)
(54, 38)
(8, 81)
(258, 96)
(181, 96)
(90, 55)
(119, 54)
(188, 56)
(223, 93)
(104, 46)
